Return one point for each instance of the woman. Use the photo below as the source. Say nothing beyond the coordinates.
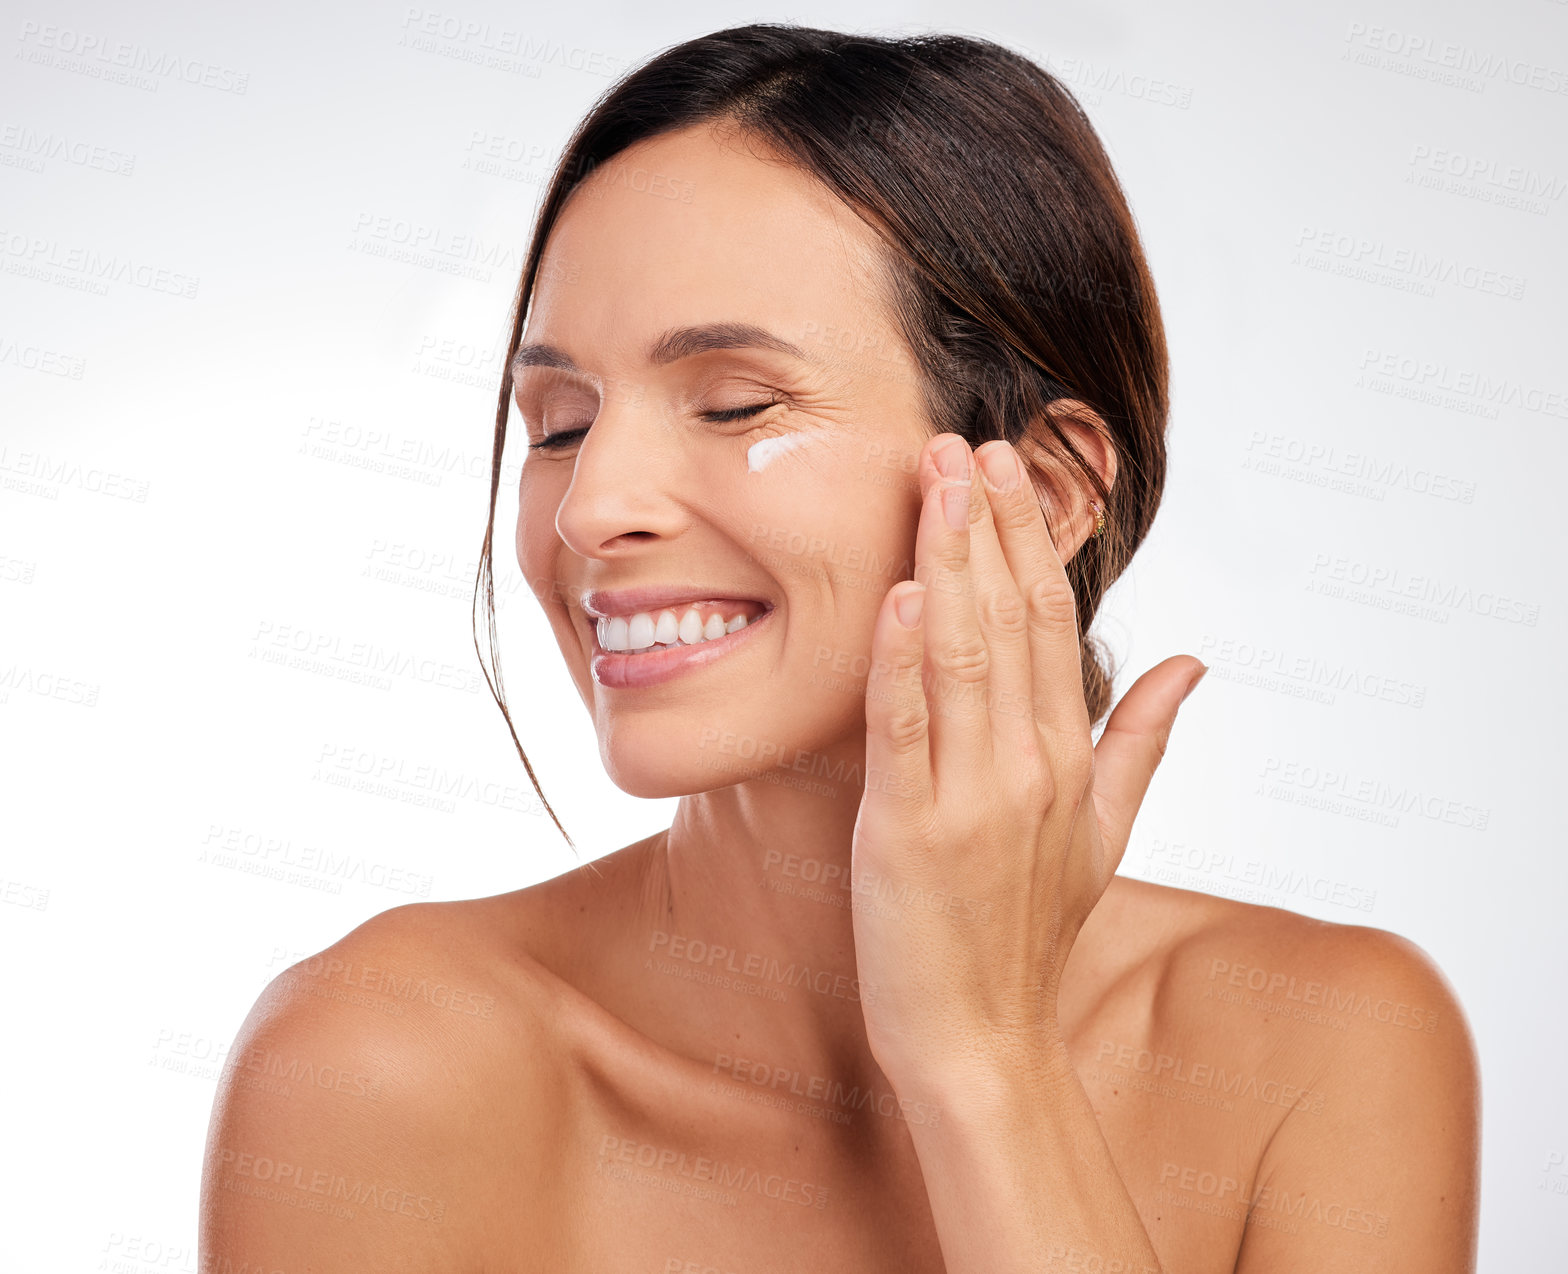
(803, 309)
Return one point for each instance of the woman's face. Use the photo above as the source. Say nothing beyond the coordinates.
(688, 231)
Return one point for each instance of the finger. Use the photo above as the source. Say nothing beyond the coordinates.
(898, 757)
(1132, 745)
(1004, 623)
(957, 659)
(1054, 640)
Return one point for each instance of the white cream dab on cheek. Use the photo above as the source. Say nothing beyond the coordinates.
(761, 454)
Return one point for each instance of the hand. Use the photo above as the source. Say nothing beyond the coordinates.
(991, 824)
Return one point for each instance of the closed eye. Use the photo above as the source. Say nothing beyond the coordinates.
(555, 441)
(559, 441)
(737, 413)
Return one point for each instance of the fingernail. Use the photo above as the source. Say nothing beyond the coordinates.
(1193, 684)
(1000, 467)
(908, 607)
(955, 504)
(953, 459)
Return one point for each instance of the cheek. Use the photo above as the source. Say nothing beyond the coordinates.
(537, 542)
(833, 531)
(764, 452)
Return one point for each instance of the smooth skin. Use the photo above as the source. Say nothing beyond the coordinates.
(704, 1052)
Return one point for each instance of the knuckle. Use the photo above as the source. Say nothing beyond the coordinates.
(951, 553)
(1053, 607)
(1075, 762)
(1019, 514)
(1029, 758)
(1004, 612)
(1036, 775)
(1028, 778)
(967, 659)
(906, 726)
(1041, 791)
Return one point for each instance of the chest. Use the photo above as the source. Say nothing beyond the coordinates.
(726, 1177)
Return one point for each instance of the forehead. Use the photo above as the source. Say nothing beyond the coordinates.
(699, 226)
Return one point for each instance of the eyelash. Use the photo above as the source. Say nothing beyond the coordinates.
(558, 442)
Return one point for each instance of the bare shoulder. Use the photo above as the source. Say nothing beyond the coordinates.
(359, 1090)
(1321, 978)
(1377, 1165)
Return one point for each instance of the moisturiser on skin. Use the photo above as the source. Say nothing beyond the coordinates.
(761, 454)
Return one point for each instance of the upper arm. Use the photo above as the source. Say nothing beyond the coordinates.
(337, 1138)
(1383, 1179)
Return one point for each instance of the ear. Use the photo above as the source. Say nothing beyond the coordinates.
(1065, 495)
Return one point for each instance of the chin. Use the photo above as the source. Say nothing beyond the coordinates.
(652, 780)
(668, 757)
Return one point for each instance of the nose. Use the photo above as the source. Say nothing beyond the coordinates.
(625, 477)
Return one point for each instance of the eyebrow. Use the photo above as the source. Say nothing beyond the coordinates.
(675, 344)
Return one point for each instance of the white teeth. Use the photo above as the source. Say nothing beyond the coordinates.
(646, 629)
(640, 632)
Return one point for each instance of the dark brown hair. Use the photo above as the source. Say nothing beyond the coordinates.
(1013, 263)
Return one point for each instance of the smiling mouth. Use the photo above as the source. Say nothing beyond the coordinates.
(689, 624)
(657, 662)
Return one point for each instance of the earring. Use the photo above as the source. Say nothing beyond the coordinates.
(1099, 519)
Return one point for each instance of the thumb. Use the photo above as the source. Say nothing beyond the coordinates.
(1133, 743)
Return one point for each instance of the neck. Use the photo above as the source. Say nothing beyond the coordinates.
(749, 891)
(744, 905)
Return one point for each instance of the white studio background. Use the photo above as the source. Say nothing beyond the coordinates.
(257, 267)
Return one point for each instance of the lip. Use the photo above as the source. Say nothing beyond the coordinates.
(604, 603)
(617, 670)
